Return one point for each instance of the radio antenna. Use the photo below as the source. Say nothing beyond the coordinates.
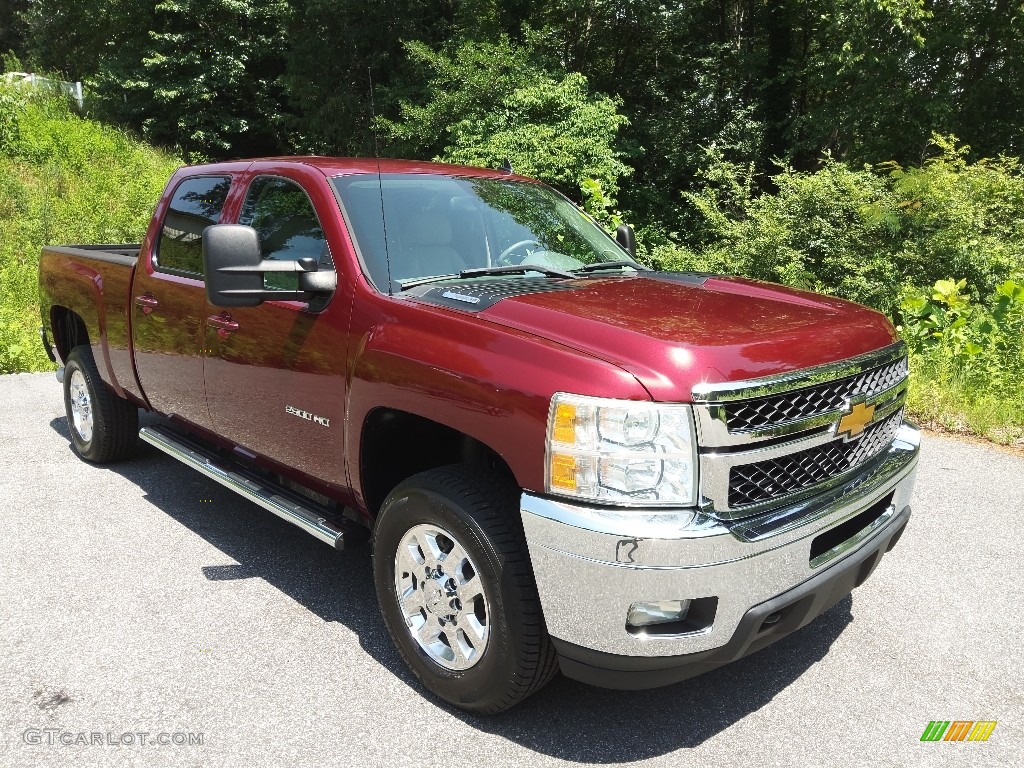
(380, 183)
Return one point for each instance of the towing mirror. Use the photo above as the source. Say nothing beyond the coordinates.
(234, 267)
(624, 237)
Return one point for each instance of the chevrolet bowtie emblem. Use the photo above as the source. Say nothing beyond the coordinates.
(855, 420)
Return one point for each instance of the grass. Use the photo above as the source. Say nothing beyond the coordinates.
(947, 403)
(63, 179)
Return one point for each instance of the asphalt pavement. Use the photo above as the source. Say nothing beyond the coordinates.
(142, 603)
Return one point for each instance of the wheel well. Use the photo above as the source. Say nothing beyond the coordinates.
(397, 444)
(68, 331)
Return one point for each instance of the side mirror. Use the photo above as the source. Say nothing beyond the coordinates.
(234, 266)
(624, 236)
(226, 249)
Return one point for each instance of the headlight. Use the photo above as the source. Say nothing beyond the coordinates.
(621, 451)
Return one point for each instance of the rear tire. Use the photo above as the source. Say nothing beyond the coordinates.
(103, 426)
(468, 622)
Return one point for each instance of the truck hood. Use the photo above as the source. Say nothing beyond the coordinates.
(673, 331)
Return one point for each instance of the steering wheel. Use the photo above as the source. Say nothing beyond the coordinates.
(503, 256)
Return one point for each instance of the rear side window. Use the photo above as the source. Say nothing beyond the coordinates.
(197, 203)
(281, 213)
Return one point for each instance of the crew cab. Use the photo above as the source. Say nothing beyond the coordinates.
(563, 459)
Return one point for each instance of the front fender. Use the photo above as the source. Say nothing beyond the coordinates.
(479, 378)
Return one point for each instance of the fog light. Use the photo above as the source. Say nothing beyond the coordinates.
(660, 612)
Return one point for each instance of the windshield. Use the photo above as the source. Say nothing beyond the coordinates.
(443, 225)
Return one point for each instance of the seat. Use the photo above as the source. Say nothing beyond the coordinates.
(425, 247)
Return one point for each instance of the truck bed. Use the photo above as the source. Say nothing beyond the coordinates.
(118, 254)
(93, 282)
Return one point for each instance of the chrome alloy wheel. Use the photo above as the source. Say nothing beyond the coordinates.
(441, 597)
(81, 406)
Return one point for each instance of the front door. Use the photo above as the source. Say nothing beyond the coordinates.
(275, 376)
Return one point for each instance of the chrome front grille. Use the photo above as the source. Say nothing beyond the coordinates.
(760, 412)
(775, 440)
(766, 480)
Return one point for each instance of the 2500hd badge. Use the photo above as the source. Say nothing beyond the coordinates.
(322, 420)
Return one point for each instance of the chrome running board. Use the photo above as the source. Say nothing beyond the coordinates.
(284, 503)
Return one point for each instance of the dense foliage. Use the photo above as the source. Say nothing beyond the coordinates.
(63, 179)
(968, 358)
(862, 233)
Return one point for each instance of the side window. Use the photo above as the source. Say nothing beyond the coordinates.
(281, 212)
(196, 204)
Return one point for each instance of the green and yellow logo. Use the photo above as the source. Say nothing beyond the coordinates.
(959, 730)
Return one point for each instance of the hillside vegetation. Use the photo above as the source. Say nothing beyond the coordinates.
(63, 179)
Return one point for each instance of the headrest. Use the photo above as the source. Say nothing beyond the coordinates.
(420, 229)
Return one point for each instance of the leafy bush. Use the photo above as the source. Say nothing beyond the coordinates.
(861, 234)
(63, 179)
(968, 357)
(12, 103)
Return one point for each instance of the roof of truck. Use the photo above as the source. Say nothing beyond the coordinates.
(339, 166)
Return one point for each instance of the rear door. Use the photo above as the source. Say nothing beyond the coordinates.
(275, 375)
(169, 300)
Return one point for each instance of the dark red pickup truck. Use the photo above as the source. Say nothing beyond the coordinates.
(565, 459)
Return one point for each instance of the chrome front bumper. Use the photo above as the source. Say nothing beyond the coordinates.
(591, 563)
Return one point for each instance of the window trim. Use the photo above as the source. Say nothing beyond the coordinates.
(350, 231)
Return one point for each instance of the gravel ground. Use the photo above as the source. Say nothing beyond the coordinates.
(144, 598)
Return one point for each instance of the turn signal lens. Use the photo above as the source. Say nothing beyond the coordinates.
(564, 430)
(563, 472)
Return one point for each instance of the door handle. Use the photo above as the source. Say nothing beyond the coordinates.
(224, 324)
(148, 303)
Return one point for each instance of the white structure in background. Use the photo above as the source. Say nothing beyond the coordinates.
(74, 90)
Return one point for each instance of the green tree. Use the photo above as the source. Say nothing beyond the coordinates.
(490, 102)
(71, 38)
(976, 56)
(333, 48)
(684, 74)
(788, 80)
(200, 75)
(12, 27)
(864, 233)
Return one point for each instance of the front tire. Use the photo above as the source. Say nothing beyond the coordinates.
(456, 589)
(103, 426)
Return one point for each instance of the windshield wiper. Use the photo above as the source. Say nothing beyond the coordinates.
(484, 271)
(413, 282)
(598, 265)
(516, 268)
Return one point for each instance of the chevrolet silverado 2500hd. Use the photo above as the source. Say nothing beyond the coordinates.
(566, 460)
